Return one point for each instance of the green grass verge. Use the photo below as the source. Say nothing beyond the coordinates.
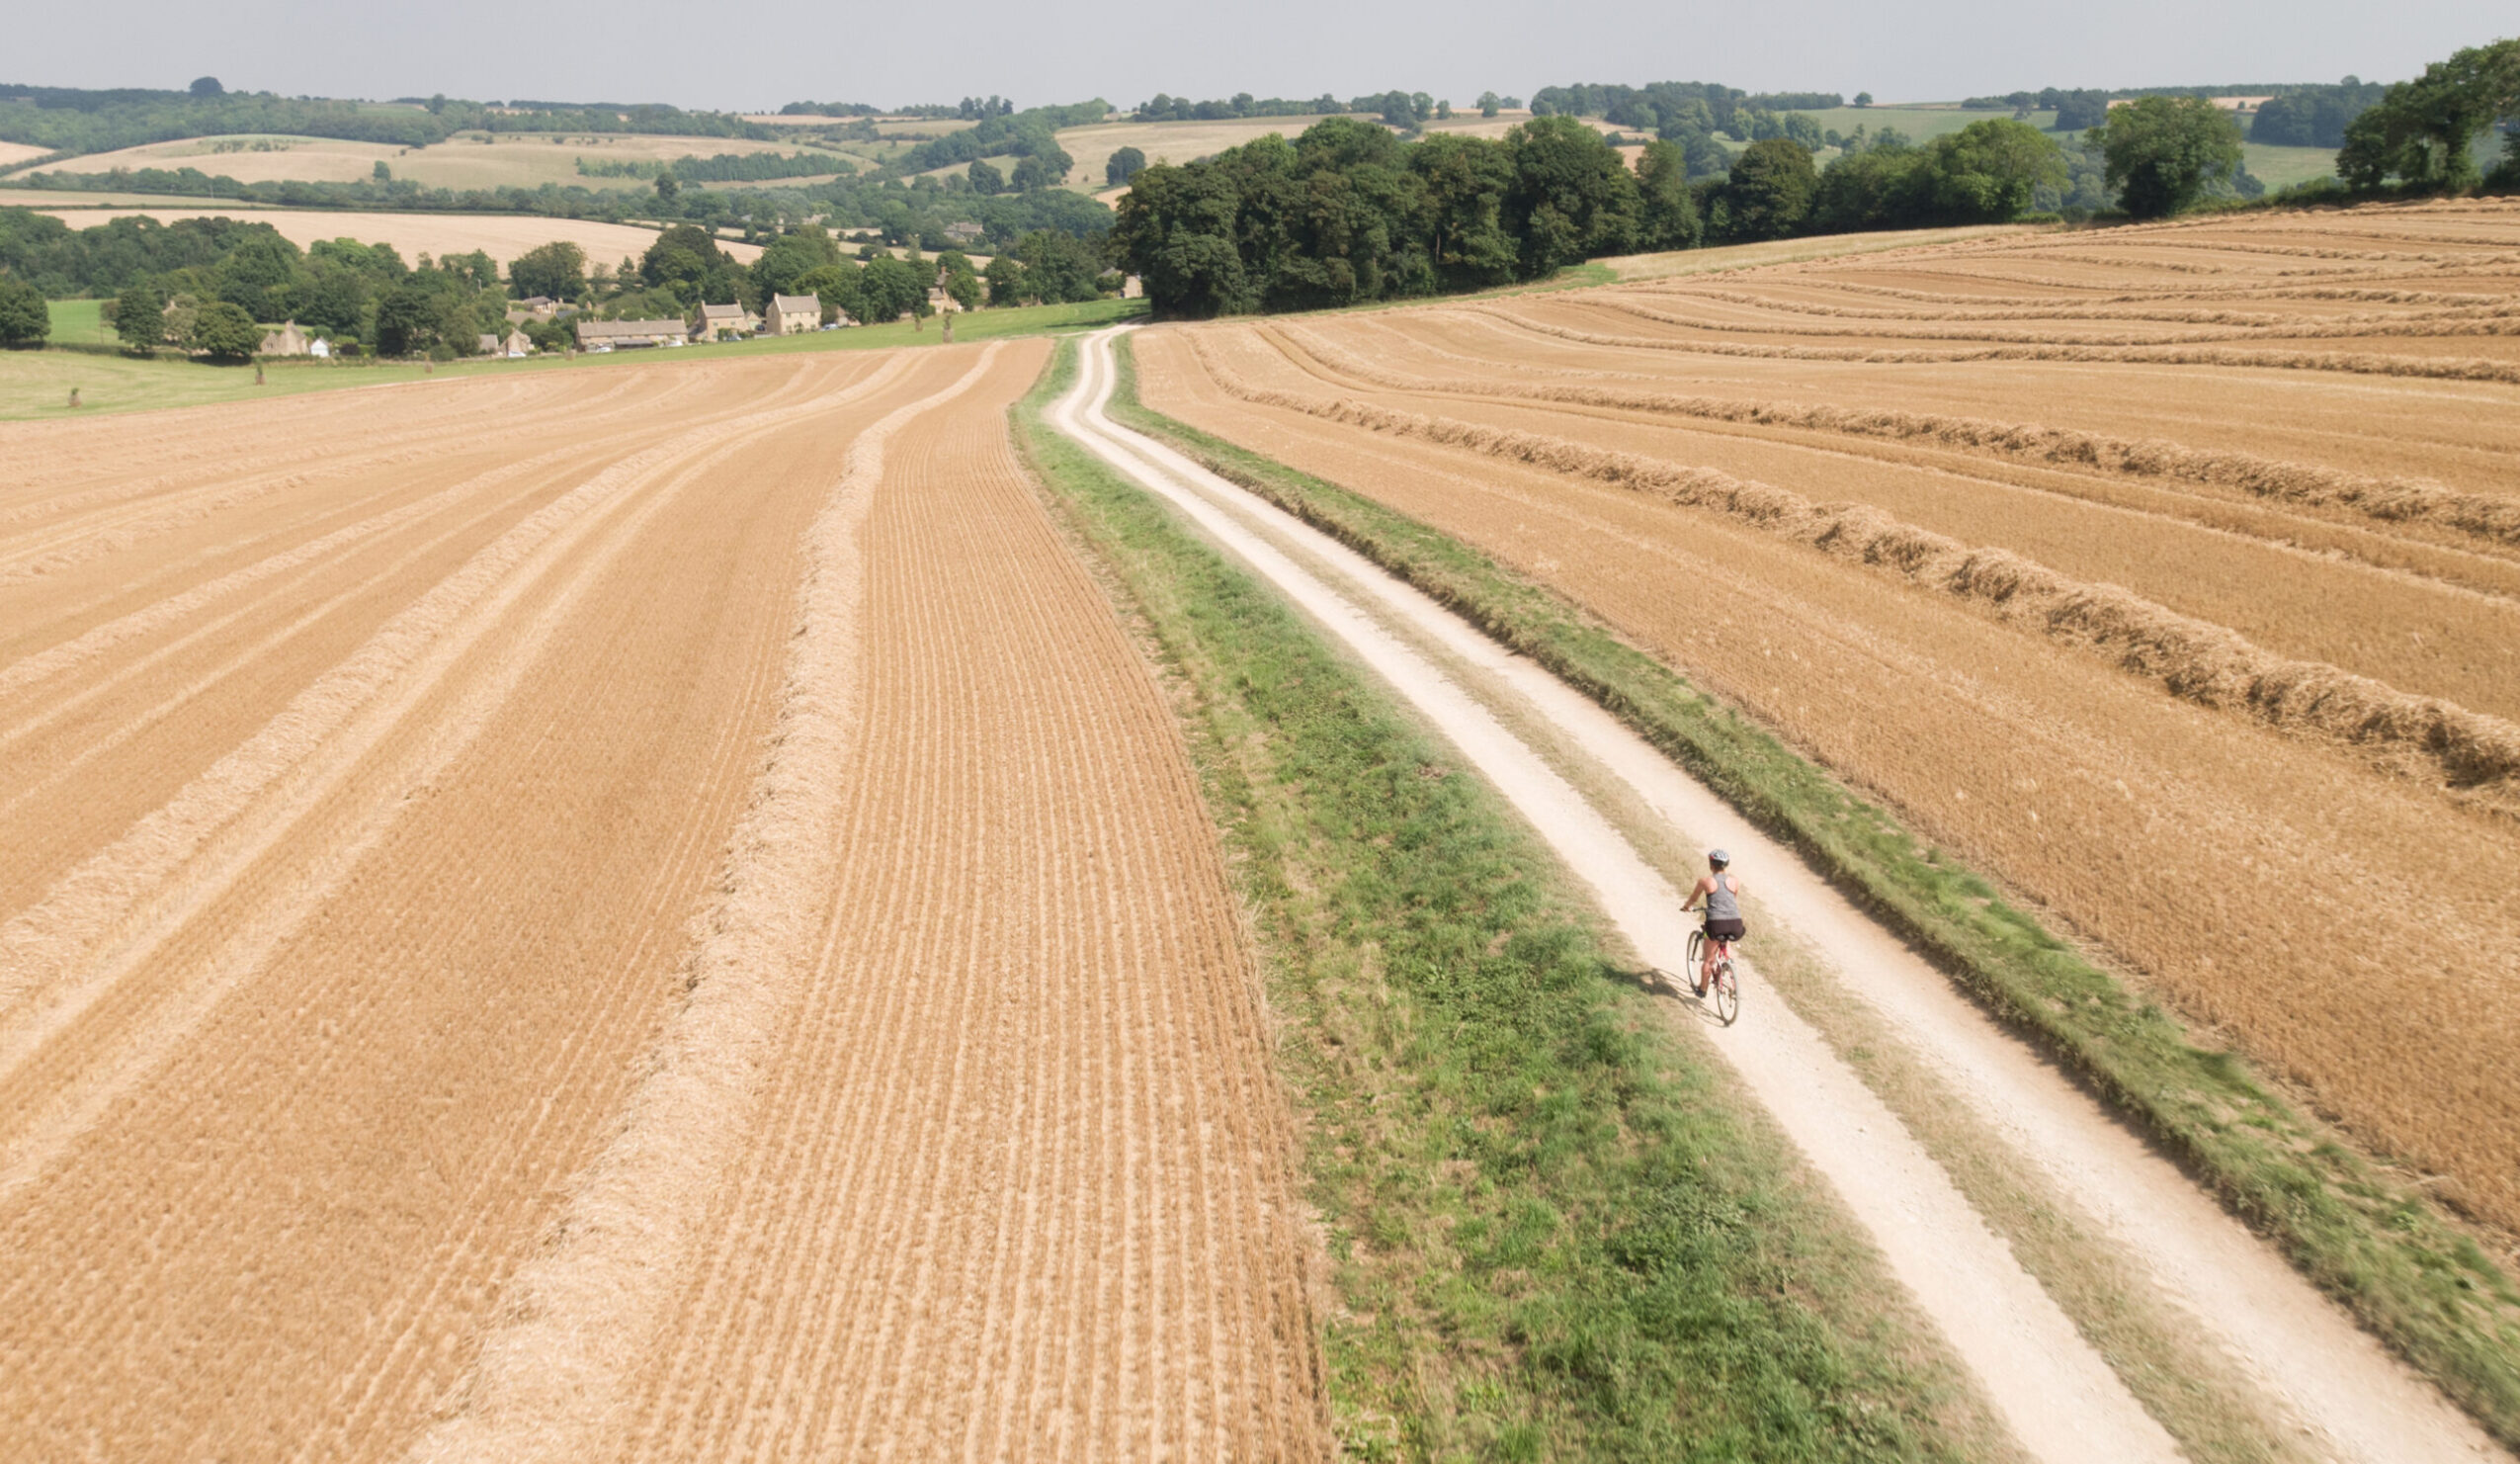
(2360, 1232)
(36, 384)
(1551, 1235)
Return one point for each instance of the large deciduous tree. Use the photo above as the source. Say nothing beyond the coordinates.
(25, 319)
(789, 257)
(406, 321)
(836, 285)
(1668, 212)
(140, 317)
(557, 270)
(1123, 164)
(1770, 190)
(1988, 171)
(2161, 152)
(222, 331)
(1578, 200)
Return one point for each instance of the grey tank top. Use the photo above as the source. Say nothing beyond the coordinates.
(1720, 906)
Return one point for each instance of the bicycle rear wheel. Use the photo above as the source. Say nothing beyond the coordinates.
(1726, 994)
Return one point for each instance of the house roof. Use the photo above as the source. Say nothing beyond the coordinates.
(797, 301)
(722, 313)
(598, 329)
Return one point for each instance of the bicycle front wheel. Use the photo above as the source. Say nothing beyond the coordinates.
(1695, 969)
(1726, 992)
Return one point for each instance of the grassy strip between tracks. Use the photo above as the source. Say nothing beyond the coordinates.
(1551, 1233)
(2361, 1232)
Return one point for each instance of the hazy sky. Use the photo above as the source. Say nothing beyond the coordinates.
(764, 52)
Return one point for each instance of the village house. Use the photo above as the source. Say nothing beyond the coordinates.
(613, 335)
(511, 343)
(792, 315)
(287, 340)
(539, 306)
(726, 322)
(964, 234)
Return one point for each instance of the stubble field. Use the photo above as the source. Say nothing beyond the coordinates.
(465, 160)
(2172, 575)
(502, 236)
(536, 920)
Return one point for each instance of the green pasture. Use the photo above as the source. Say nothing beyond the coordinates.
(36, 384)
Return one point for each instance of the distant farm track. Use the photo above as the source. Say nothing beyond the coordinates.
(2173, 573)
(371, 767)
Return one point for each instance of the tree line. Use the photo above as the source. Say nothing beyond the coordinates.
(71, 120)
(2423, 134)
(724, 167)
(1030, 133)
(1348, 213)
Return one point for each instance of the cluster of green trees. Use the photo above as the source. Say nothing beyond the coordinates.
(802, 261)
(1348, 213)
(1026, 134)
(2424, 133)
(1690, 114)
(685, 267)
(2164, 154)
(1652, 107)
(836, 108)
(2313, 115)
(74, 120)
(2296, 116)
(1162, 107)
(349, 292)
(724, 167)
(2077, 110)
(1046, 268)
(1988, 172)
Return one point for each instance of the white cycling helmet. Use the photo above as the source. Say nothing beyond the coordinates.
(1717, 858)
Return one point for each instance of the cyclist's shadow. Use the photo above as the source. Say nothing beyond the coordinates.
(1655, 981)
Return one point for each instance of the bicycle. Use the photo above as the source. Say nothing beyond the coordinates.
(1723, 991)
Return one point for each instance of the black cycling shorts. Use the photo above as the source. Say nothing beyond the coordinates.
(1725, 931)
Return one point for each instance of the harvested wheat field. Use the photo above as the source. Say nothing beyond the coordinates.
(538, 921)
(463, 161)
(2170, 573)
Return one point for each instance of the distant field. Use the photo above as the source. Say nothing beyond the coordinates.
(465, 160)
(2281, 167)
(1181, 142)
(1918, 121)
(52, 201)
(12, 153)
(501, 235)
(915, 127)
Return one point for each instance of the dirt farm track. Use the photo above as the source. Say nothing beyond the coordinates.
(2170, 573)
(435, 1018)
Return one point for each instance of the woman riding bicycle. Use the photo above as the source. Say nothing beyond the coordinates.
(1721, 895)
